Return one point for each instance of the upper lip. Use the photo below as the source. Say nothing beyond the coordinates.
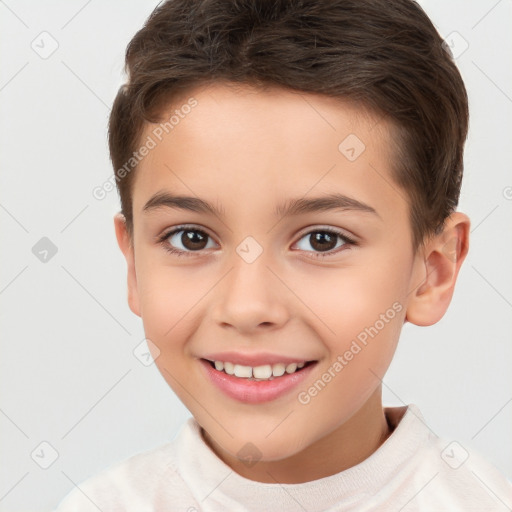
(256, 359)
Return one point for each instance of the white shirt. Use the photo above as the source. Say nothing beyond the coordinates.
(413, 470)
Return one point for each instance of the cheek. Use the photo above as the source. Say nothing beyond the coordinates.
(361, 311)
(169, 299)
(348, 300)
(365, 312)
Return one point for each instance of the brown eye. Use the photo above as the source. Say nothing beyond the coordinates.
(193, 239)
(185, 240)
(324, 242)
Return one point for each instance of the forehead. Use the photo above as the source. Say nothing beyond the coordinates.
(239, 144)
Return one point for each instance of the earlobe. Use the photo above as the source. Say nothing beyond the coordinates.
(436, 272)
(125, 244)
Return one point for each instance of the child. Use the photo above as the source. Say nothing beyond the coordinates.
(249, 134)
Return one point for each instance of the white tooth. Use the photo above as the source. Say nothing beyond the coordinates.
(229, 368)
(278, 369)
(300, 365)
(243, 371)
(262, 372)
(291, 367)
(219, 365)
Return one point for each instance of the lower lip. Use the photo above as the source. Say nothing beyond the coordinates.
(255, 392)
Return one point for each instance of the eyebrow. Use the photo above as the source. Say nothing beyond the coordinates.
(298, 206)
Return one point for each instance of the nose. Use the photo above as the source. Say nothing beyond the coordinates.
(251, 298)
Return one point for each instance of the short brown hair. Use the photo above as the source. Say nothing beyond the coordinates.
(385, 55)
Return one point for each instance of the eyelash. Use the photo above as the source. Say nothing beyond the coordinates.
(163, 240)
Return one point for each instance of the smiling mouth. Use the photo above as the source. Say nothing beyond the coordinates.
(266, 372)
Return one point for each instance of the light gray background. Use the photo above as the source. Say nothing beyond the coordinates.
(68, 373)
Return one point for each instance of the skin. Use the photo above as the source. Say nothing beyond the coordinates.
(246, 150)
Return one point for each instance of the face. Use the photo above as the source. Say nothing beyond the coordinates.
(327, 282)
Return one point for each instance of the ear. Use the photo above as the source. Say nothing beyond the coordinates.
(436, 268)
(125, 244)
